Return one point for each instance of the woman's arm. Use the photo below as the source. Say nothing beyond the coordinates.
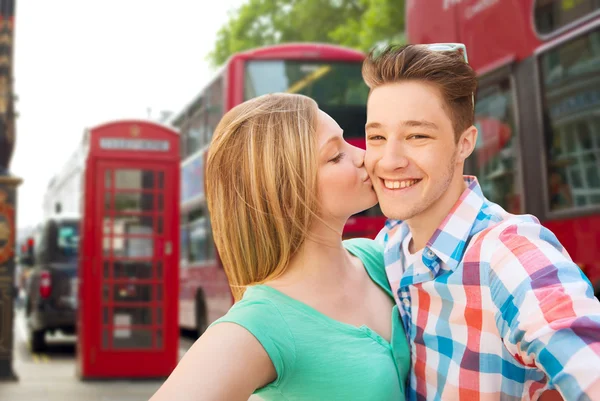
(226, 363)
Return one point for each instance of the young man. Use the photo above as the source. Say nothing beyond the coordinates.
(492, 304)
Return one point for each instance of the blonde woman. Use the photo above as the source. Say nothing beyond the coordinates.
(314, 317)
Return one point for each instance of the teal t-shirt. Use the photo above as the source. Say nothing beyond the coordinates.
(319, 358)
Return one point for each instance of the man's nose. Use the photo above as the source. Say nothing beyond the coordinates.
(394, 157)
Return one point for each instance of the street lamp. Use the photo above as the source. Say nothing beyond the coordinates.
(8, 189)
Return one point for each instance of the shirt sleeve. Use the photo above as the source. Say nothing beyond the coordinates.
(547, 313)
(370, 253)
(264, 321)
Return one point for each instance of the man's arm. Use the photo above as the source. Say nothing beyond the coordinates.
(550, 318)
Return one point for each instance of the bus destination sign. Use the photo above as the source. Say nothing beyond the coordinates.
(144, 145)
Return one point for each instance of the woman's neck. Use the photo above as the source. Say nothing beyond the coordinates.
(320, 263)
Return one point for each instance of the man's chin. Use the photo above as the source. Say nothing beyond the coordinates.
(396, 211)
(396, 215)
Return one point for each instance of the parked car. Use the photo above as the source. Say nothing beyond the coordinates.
(51, 288)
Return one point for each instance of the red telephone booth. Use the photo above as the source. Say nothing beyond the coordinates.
(129, 271)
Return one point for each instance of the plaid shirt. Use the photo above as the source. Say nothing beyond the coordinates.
(495, 309)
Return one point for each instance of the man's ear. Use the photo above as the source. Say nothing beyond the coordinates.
(466, 143)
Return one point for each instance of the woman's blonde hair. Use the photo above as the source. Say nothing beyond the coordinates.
(261, 181)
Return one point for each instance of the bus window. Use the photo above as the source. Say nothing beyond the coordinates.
(199, 246)
(198, 241)
(571, 91)
(551, 15)
(184, 246)
(183, 138)
(215, 108)
(195, 135)
(337, 87)
(495, 156)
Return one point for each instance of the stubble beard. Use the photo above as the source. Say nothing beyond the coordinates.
(421, 206)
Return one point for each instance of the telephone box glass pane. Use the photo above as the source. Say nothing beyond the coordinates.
(130, 292)
(133, 269)
(106, 246)
(127, 247)
(159, 339)
(128, 338)
(133, 202)
(107, 178)
(159, 270)
(134, 179)
(159, 315)
(106, 226)
(133, 224)
(132, 316)
(105, 338)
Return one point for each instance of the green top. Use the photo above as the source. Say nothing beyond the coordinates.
(319, 358)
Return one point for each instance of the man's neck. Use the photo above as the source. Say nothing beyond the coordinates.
(423, 226)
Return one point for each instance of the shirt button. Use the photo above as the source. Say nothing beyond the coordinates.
(406, 302)
(430, 254)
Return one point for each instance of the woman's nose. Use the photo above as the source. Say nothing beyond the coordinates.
(359, 157)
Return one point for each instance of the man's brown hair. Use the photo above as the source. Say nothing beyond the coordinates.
(447, 70)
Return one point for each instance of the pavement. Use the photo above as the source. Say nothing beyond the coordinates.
(50, 376)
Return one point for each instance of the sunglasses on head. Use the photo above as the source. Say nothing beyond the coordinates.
(452, 47)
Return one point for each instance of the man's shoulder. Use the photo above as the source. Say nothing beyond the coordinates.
(493, 219)
(513, 234)
(494, 227)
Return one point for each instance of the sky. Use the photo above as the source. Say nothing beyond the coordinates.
(78, 63)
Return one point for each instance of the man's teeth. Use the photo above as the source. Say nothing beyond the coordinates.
(399, 184)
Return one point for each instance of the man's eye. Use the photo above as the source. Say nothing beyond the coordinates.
(375, 138)
(418, 136)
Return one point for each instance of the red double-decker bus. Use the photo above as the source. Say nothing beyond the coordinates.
(329, 74)
(538, 107)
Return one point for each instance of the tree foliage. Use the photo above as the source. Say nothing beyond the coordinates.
(360, 24)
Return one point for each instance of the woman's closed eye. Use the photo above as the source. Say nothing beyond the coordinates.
(338, 157)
